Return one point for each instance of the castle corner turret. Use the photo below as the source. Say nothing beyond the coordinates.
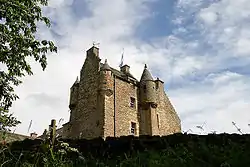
(105, 80)
(147, 89)
(148, 104)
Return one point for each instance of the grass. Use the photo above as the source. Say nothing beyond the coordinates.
(171, 151)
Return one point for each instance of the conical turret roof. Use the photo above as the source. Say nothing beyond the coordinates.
(106, 66)
(146, 75)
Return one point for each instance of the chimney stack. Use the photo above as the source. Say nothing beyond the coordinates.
(125, 69)
(93, 51)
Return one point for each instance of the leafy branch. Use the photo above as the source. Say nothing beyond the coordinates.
(18, 27)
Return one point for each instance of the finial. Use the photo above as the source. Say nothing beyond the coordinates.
(96, 44)
(105, 65)
(145, 66)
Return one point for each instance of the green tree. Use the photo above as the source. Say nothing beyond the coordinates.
(18, 27)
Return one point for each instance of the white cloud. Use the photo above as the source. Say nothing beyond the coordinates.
(111, 23)
(221, 97)
(219, 100)
(242, 46)
(214, 96)
(208, 17)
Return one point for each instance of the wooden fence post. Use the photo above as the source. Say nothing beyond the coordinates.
(53, 131)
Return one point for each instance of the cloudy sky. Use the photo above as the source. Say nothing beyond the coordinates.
(199, 48)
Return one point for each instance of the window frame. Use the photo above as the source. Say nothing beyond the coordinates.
(132, 128)
(158, 121)
(132, 102)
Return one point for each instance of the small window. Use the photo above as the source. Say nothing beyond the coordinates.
(158, 121)
(157, 85)
(133, 128)
(144, 88)
(132, 102)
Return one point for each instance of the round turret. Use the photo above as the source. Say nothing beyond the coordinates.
(146, 75)
(105, 66)
(147, 88)
(105, 85)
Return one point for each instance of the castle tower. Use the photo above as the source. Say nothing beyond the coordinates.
(88, 117)
(106, 102)
(74, 92)
(148, 104)
(92, 62)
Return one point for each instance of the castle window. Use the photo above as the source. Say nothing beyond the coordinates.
(158, 121)
(157, 85)
(132, 102)
(133, 128)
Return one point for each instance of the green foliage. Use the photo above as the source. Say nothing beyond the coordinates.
(38, 153)
(18, 26)
(220, 150)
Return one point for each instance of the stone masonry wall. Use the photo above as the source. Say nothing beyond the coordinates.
(88, 116)
(169, 121)
(154, 122)
(124, 113)
(174, 121)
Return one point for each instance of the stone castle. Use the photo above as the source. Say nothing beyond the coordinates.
(109, 102)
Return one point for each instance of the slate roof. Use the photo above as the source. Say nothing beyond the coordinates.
(146, 75)
(121, 74)
(105, 66)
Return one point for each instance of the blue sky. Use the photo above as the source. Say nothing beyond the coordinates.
(199, 48)
(159, 23)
